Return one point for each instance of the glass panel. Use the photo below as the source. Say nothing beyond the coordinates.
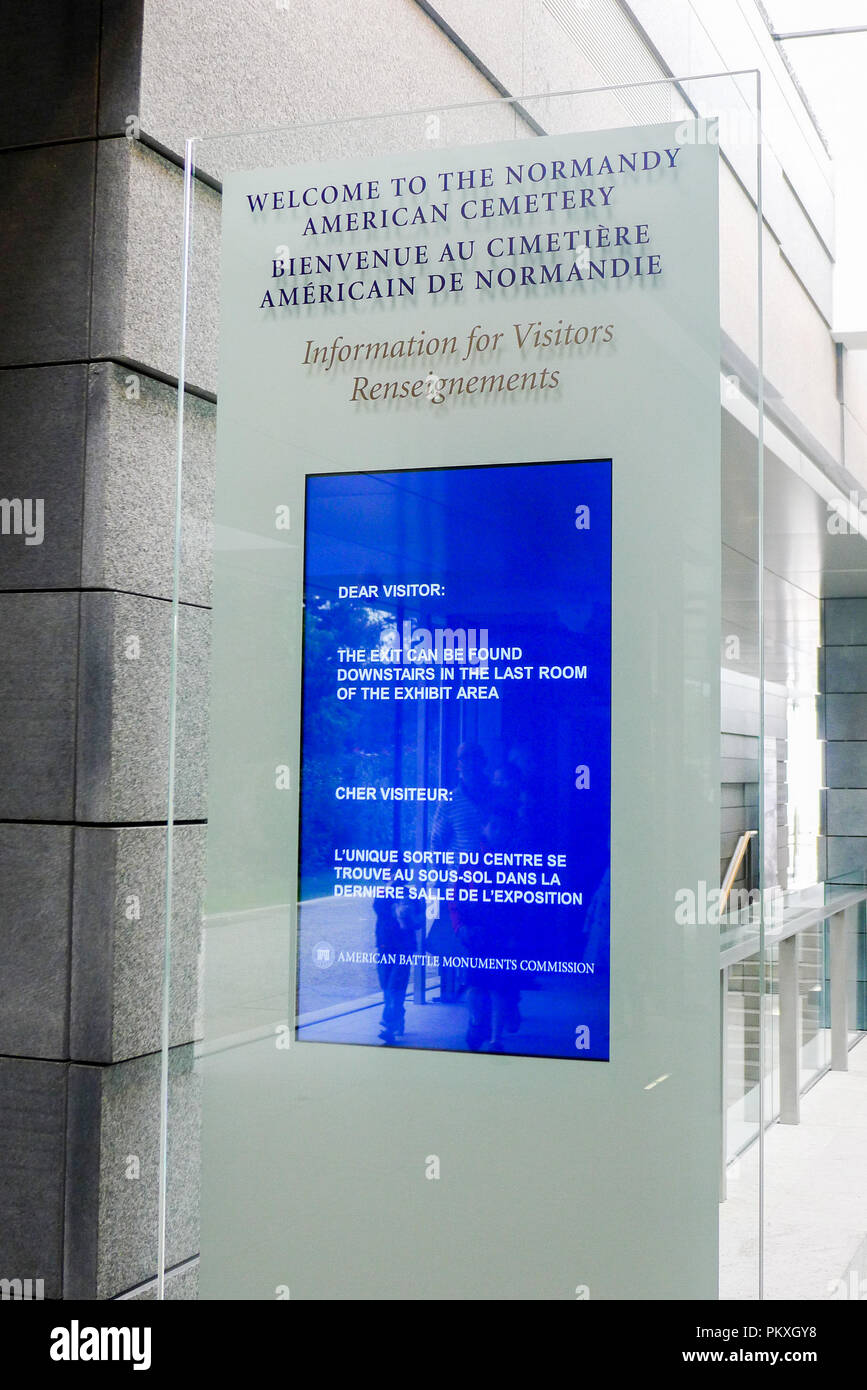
(815, 1035)
(815, 634)
(742, 830)
(313, 1150)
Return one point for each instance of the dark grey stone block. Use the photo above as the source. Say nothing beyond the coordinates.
(111, 1237)
(844, 622)
(742, 770)
(46, 208)
(35, 898)
(738, 746)
(845, 812)
(845, 717)
(138, 233)
(737, 819)
(37, 705)
(123, 730)
(732, 796)
(118, 940)
(81, 1206)
(32, 1115)
(131, 482)
(395, 58)
(181, 1284)
(91, 983)
(845, 669)
(845, 855)
(107, 512)
(112, 265)
(49, 70)
(845, 764)
(42, 430)
(120, 64)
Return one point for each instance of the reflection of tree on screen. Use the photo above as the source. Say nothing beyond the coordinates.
(345, 741)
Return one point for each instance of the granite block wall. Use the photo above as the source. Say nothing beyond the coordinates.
(843, 729)
(88, 450)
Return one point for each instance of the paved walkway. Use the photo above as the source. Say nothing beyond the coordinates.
(815, 1198)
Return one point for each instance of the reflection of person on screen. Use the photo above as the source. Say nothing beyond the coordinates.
(489, 931)
(397, 927)
(458, 822)
(482, 816)
(458, 825)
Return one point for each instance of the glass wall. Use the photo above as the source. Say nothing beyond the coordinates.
(347, 1171)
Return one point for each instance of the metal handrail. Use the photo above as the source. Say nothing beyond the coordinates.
(731, 872)
(836, 904)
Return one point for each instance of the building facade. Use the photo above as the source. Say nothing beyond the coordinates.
(96, 103)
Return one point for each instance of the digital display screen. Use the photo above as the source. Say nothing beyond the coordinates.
(454, 874)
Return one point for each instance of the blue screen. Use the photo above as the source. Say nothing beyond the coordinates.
(454, 884)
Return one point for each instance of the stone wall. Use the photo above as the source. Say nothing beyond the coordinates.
(87, 428)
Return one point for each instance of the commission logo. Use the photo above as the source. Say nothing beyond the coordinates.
(323, 954)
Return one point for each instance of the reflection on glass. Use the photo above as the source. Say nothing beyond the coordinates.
(455, 788)
(804, 778)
